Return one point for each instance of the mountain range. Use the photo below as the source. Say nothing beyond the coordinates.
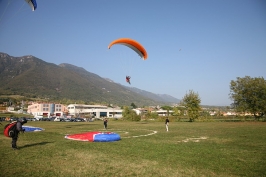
(30, 76)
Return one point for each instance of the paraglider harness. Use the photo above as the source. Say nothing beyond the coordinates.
(128, 79)
(10, 129)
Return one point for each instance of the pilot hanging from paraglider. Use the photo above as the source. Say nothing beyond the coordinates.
(134, 45)
(128, 79)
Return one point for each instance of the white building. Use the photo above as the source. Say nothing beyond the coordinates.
(47, 109)
(138, 111)
(97, 111)
(10, 109)
(159, 112)
(163, 112)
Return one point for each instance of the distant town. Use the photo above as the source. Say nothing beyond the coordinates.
(57, 111)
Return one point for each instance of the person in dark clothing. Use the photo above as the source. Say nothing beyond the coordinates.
(17, 131)
(105, 123)
(166, 123)
(128, 79)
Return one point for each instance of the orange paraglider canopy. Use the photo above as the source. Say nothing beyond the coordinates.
(134, 45)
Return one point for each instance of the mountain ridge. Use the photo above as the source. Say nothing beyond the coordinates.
(30, 76)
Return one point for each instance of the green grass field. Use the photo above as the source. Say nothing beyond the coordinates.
(188, 149)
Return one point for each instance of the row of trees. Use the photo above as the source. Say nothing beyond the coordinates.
(248, 95)
(191, 103)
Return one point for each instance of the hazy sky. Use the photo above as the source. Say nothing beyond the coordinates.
(198, 45)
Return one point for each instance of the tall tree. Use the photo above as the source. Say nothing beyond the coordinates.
(129, 114)
(192, 101)
(249, 95)
(133, 105)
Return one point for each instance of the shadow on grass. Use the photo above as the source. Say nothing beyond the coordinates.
(34, 144)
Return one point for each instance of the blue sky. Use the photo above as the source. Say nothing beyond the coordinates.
(198, 45)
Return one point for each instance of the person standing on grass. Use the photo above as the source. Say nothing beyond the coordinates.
(105, 123)
(166, 123)
(16, 132)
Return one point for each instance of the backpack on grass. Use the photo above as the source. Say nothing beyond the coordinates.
(9, 130)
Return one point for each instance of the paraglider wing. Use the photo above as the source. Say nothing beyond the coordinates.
(134, 45)
(32, 4)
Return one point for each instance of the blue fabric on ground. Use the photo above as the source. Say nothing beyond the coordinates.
(32, 129)
(107, 137)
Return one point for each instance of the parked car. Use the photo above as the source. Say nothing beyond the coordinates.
(62, 119)
(58, 119)
(2, 119)
(45, 119)
(14, 119)
(79, 120)
(31, 119)
(38, 118)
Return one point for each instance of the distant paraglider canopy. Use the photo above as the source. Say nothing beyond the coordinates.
(134, 45)
(32, 4)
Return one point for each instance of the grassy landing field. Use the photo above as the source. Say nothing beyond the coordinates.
(145, 150)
